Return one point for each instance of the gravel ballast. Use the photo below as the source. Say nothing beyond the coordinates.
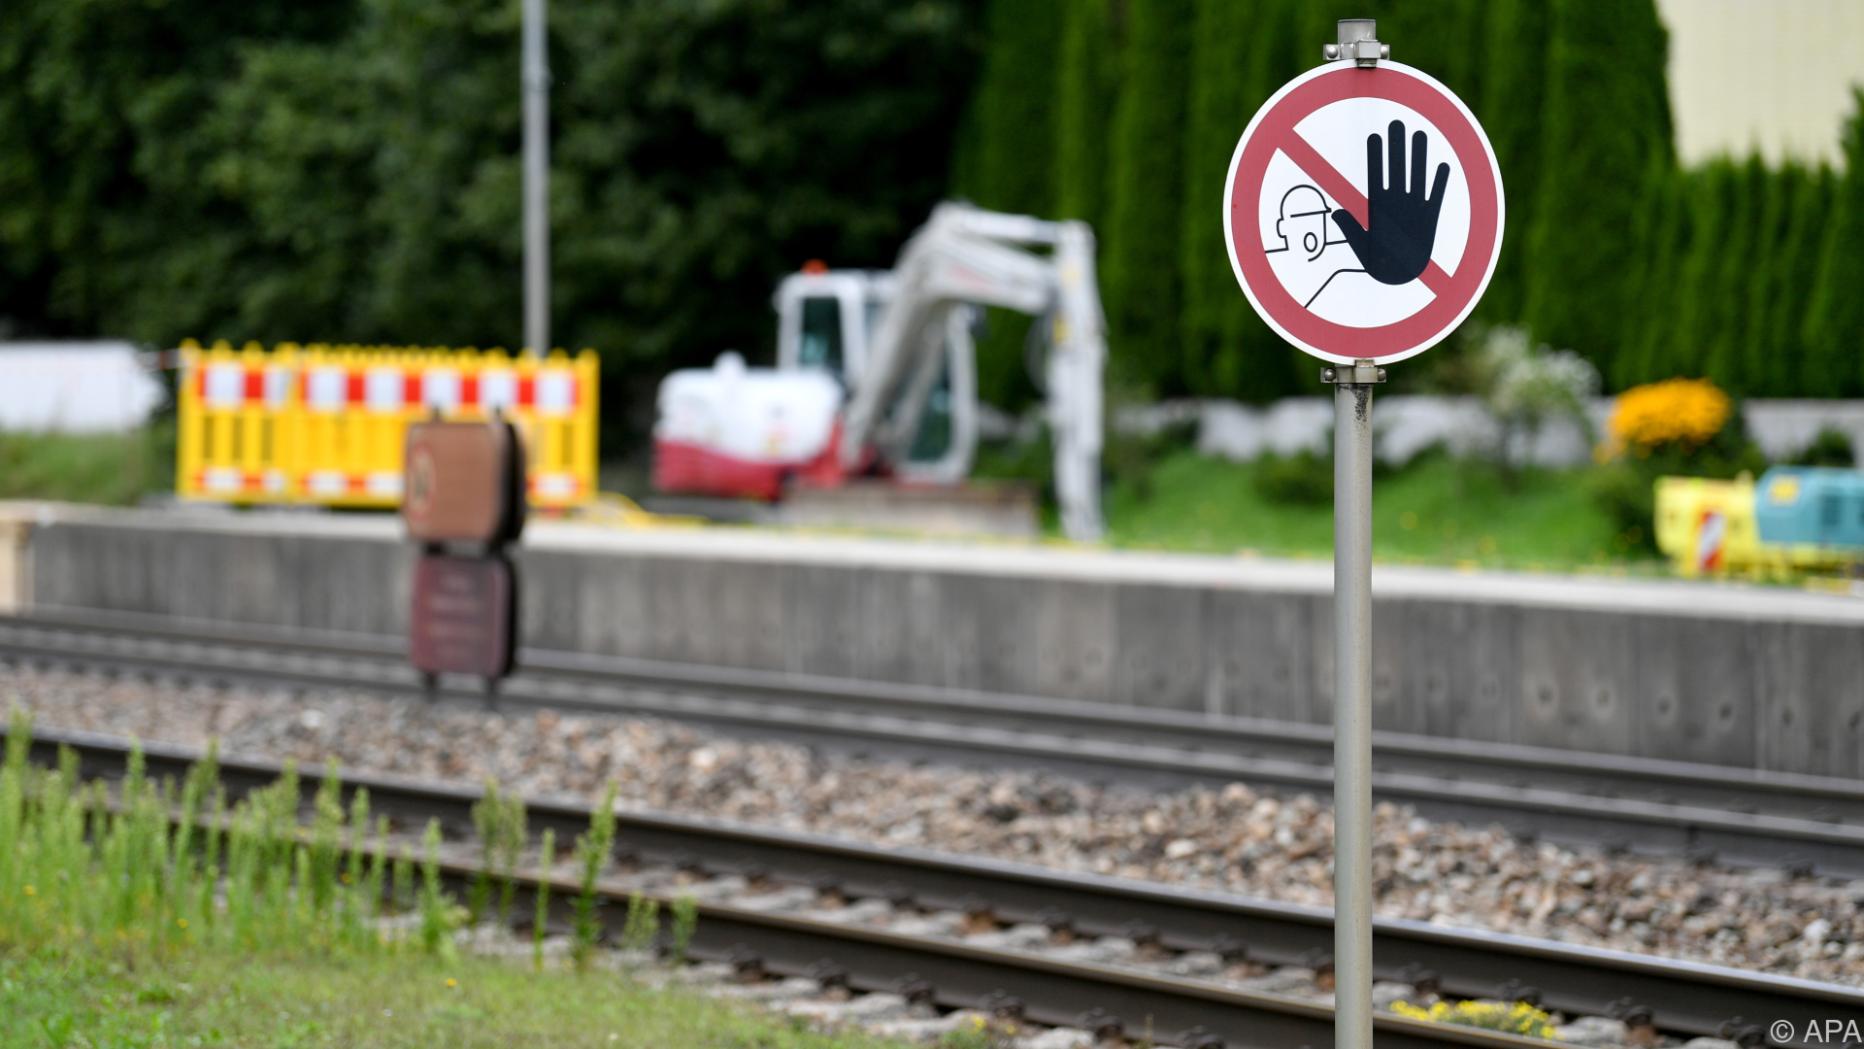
(1233, 838)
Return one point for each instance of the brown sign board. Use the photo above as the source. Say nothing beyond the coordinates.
(464, 616)
(465, 483)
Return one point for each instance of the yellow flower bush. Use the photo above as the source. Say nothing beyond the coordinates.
(1687, 412)
(1519, 1018)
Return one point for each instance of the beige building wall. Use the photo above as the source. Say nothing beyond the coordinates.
(1773, 75)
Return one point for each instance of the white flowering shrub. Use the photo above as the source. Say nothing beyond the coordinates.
(1526, 384)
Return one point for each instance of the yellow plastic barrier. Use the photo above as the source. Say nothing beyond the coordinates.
(1708, 528)
(324, 424)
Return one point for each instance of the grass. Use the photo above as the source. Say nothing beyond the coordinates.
(112, 468)
(316, 1001)
(1436, 510)
(157, 915)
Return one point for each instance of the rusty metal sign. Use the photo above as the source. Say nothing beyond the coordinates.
(465, 483)
(464, 616)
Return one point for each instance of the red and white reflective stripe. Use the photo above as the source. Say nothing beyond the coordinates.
(1709, 538)
(333, 484)
(278, 385)
(498, 388)
(224, 385)
(326, 389)
(221, 479)
(556, 392)
(440, 388)
(382, 389)
(554, 485)
(326, 482)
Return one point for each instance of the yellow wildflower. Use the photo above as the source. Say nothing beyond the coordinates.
(451, 982)
(1518, 1018)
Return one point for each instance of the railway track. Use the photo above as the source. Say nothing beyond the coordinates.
(975, 933)
(1674, 808)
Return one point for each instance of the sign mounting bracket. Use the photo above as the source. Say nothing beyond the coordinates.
(1359, 43)
(1359, 373)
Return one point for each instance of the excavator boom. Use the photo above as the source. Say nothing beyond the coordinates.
(965, 256)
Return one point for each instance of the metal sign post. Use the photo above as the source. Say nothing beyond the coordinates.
(1352, 701)
(1363, 217)
(535, 76)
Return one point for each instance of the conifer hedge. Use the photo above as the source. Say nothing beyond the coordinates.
(1733, 269)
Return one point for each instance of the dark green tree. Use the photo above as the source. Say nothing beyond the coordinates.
(350, 172)
(100, 104)
(1835, 313)
(1606, 114)
(1087, 78)
(1444, 38)
(1005, 161)
(1733, 266)
(1652, 343)
(1513, 91)
(1770, 262)
(1241, 54)
(1796, 371)
(1714, 192)
(1646, 274)
(1140, 275)
(1011, 114)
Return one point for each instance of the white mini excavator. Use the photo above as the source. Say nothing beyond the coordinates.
(876, 376)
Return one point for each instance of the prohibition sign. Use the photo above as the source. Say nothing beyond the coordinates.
(1412, 247)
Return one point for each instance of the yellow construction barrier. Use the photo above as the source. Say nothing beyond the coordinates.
(1709, 528)
(324, 425)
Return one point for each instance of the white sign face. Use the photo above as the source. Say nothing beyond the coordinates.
(1363, 212)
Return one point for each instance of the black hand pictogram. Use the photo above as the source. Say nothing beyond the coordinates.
(1401, 222)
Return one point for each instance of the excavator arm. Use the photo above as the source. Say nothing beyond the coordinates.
(965, 256)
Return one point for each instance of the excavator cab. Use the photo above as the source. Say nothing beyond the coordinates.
(826, 321)
(876, 368)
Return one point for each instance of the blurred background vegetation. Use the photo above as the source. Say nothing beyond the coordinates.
(348, 171)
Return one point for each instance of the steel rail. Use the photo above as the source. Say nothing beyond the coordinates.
(1684, 997)
(1674, 808)
(946, 971)
(1677, 782)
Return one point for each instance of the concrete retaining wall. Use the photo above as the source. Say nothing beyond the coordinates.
(1753, 678)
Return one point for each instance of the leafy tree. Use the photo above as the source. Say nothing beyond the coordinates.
(350, 172)
(1140, 276)
(1835, 317)
(1606, 114)
(99, 104)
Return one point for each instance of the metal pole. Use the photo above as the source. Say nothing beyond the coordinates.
(1352, 654)
(1352, 651)
(1352, 702)
(535, 77)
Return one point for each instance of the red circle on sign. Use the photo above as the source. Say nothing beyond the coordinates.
(1453, 294)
